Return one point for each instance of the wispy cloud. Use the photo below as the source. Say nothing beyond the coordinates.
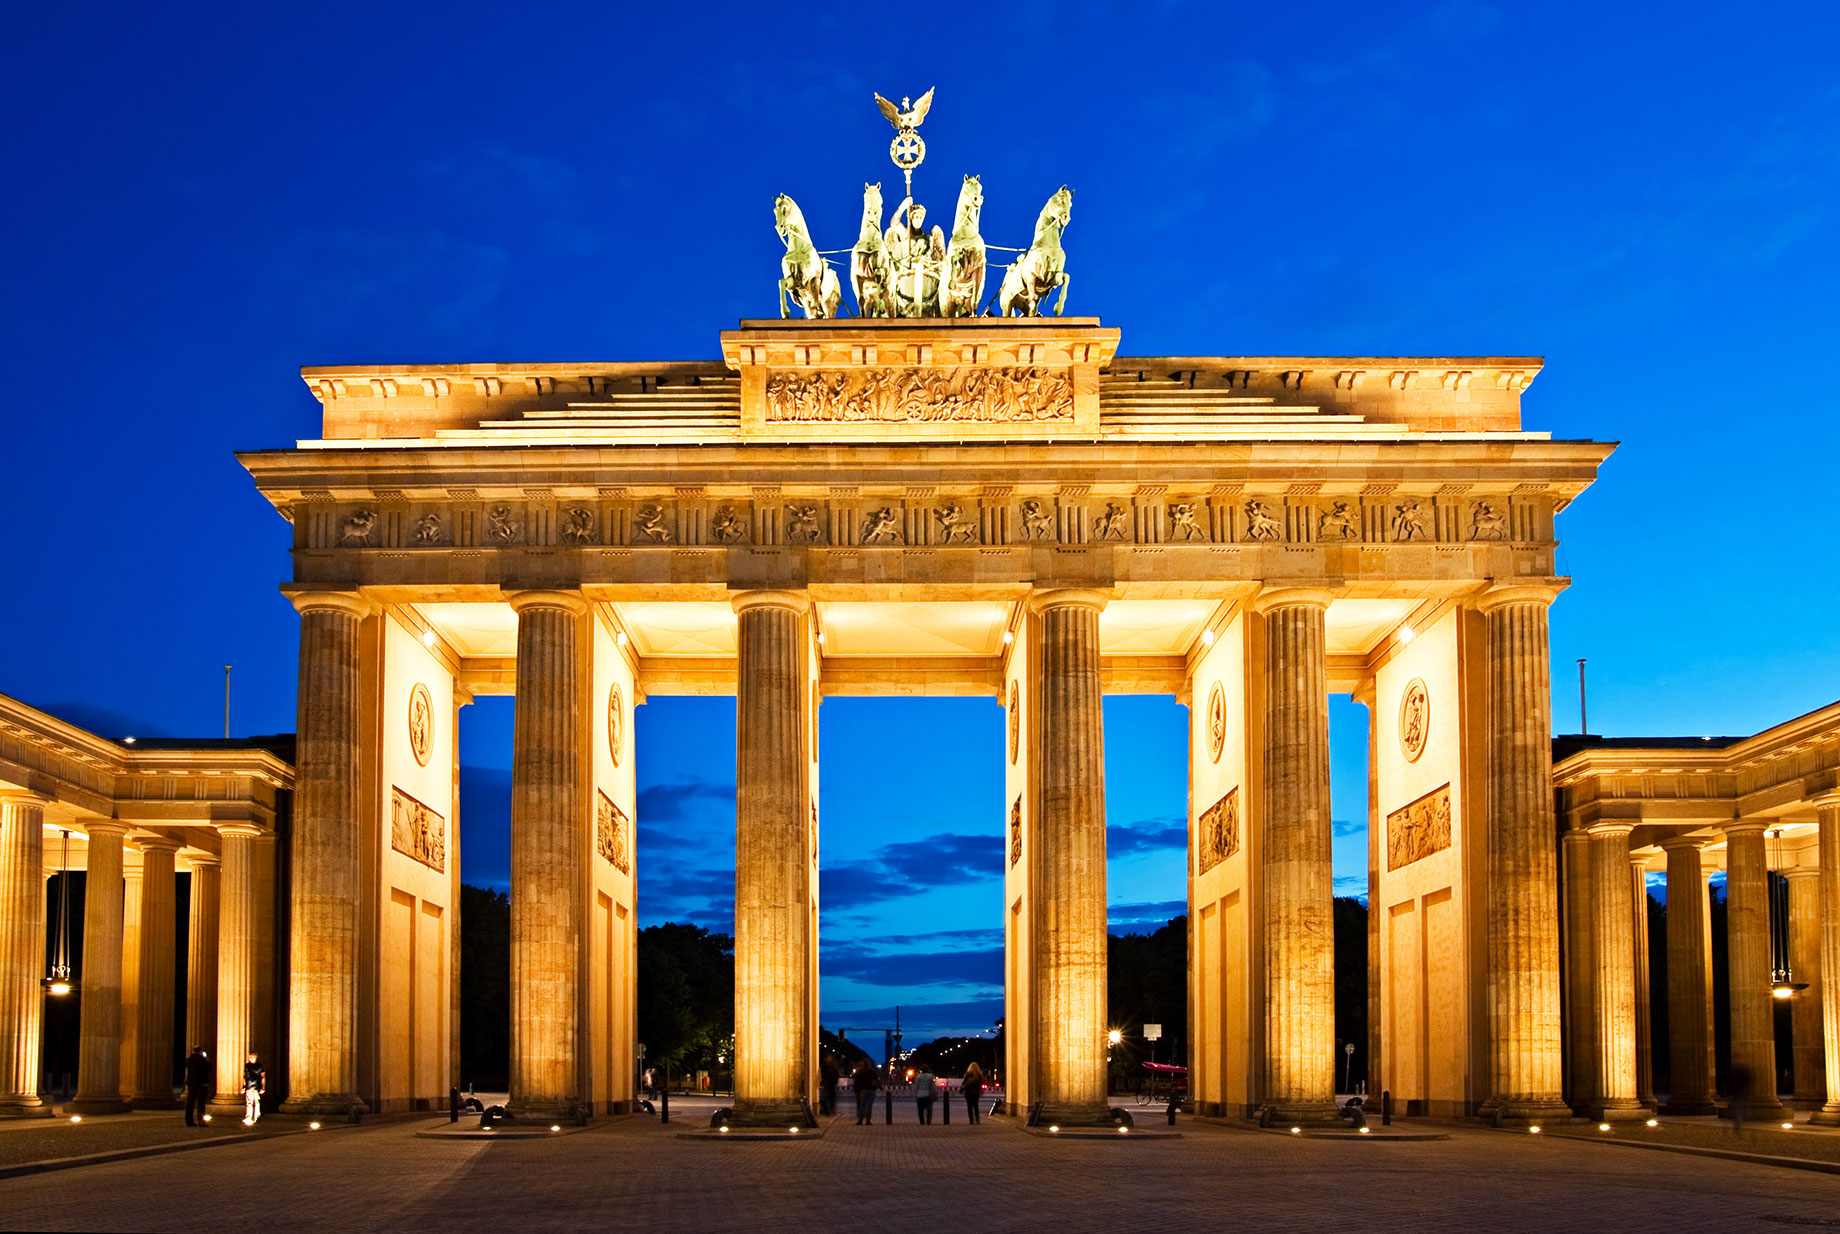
(1148, 836)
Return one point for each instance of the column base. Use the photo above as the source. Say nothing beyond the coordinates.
(1529, 1110)
(97, 1105)
(226, 1107)
(1304, 1113)
(154, 1101)
(25, 1107)
(1072, 1114)
(1689, 1107)
(323, 1104)
(1621, 1112)
(772, 1112)
(550, 1109)
(1827, 1116)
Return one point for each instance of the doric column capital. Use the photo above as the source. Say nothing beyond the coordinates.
(23, 797)
(1501, 595)
(794, 601)
(1795, 872)
(570, 601)
(1745, 826)
(1068, 597)
(351, 603)
(1291, 597)
(242, 830)
(102, 827)
(1829, 800)
(203, 861)
(1676, 843)
(1640, 857)
(157, 843)
(1611, 827)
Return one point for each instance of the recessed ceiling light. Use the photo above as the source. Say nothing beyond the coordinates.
(427, 638)
(1406, 635)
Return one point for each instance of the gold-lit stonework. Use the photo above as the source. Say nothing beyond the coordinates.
(1217, 722)
(1416, 831)
(417, 831)
(1414, 719)
(1015, 718)
(610, 834)
(616, 723)
(1015, 831)
(920, 396)
(1219, 832)
(421, 723)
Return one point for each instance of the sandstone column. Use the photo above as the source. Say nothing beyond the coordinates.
(236, 964)
(130, 975)
(1829, 850)
(153, 1065)
(1805, 968)
(327, 883)
(548, 813)
(1615, 951)
(1644, 1029)
(1689, 996)
(22, 954)
(99, 1039)
(201, 958)
(1296, 869)
(772, 892)
(1523, 904)
(1069, 929)
(1747, 918)
(263, 1033)
(1580, 972)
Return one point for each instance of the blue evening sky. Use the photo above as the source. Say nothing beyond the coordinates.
(202, 198)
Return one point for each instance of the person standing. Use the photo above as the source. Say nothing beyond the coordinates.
(926, 1086)
(865, 1081)
(974, 1088)
(255, 1081)
(827, 1084)
(197, 1085)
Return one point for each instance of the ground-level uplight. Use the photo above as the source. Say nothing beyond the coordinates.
(1654, 1122)
(723, 1128)
(1788, 1126)
(207, 1118)
(793, 1130)
(1296, 1130)
(555, 1127)
(1366, 1130)
(312, 1126)
(1054, 1128)
(1603, 1126)
(76, 1118)
(1124, 1131)
(1533, 1131)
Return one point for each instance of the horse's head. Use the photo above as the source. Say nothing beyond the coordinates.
(970, 199)
(784, 213)
(872, 210)
(1062, 202)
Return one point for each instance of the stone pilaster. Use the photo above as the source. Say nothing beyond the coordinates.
(99, 1039)
(327, 885)
(1069, 933)
(1805, 969)
(1689, 996)
(1747, 924)
(1526, 1061)
(236, 964)
(130, 975)
(1296, 864)
(1613, 923)
(1645, 1034)
(548, 814)
(773, 961)
(22, 954)
(154, 1078)
(201, 957)
(1828, 842)
(1580, 973)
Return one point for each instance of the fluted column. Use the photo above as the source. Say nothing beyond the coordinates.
(1295, 859)
(129, 1054)
(1828, 842)
(153, 1064)
(772, 892)
(1526, 1062)
(327, 884)
(1644, 1029)
(1069, 867)
(236, 964)
(1615, 951)
(201, 957)
(99, 1039)
(1580, 972)
(1747, 949)
(548, 813)
(1805, 969)
(22, 954)
(264, 1031)
(1689, 995)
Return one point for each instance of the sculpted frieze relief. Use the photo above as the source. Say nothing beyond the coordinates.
(612, 831)
(578, 525)
(1217, 836)
(975, 395)
(728, 527)
(1015, 831)
(1416, 831)
(417, 831)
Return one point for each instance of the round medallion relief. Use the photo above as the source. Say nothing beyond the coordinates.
(1217, 722)
(421, 724)
(1414, 719)
(616, 723)
(1015, 719)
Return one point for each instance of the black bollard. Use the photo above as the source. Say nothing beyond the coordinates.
(664, 1095)
(1172, 1110)
(888, 1107)
(453, 1104)
(1386, 1107)
(945, 1104)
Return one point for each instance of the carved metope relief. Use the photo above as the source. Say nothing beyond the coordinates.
(1414, 719)
(421, 724)
(1015, 719)
(1418, 830)
(357, 529)
(814, 833)
(578, 525)
(616, 723)
(987, 396)
(1217, 722)
(1219, 832)
(417, 831)
(1015, 831)
(610, 832)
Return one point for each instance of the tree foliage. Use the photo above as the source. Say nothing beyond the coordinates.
(686, 996)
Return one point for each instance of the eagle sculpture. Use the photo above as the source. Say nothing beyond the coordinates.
(903, 117)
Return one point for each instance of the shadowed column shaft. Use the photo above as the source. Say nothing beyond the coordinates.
(1523, 929)
(153, 1064)
(236, 953)
(264, 1030)
(99, 1039)
(547, 816)
(1644, 1030)
(772, 893)
(1828, 840)
(1747, 918)
(130, 978)
(1805, 968)
(1689, 1042)
(1580, 972)
(1615, 962)
(1070, 904)
(22, 954)
(201, 958)
(326, 890)
(1297, 866)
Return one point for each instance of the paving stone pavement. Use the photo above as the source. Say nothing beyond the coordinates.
(635, 1174)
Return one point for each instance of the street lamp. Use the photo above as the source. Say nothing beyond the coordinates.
(1115, 1037)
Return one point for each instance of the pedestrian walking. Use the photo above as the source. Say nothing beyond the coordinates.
(1743, 1088)
(926, 1087)
(974, 1088)
(827, 1084)
(255, 1082)
(197, 1085)
(865, 1081)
